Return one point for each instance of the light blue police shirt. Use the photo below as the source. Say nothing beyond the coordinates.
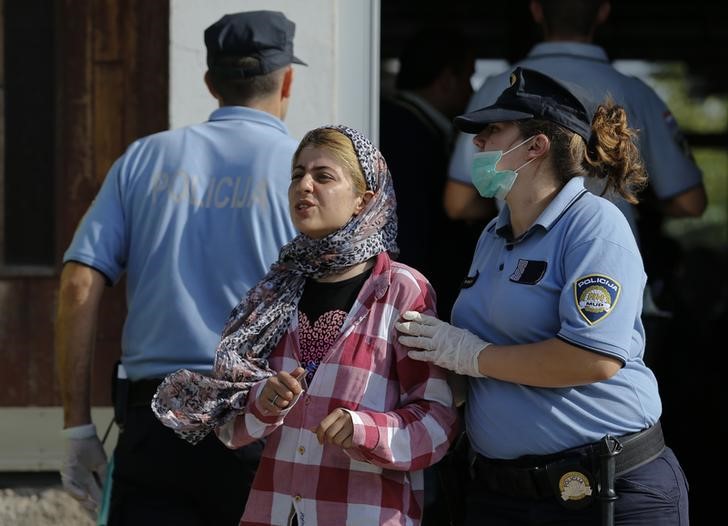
(670, 166)
(195, 217)
(577, 275)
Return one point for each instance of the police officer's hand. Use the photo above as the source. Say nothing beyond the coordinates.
(84, 466)
(441, 343)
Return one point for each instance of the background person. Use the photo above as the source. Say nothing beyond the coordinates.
(548, 325)
(416, 137)
(350, 420)
(194, 217)
(568, 53)
(675, 182)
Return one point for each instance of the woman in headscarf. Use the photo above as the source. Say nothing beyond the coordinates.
(310, 358)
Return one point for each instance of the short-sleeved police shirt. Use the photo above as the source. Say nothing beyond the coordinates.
(670, 166)
(577, 275)
(195, 217)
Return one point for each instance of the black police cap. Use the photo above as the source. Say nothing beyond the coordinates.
(535, 95)
(264, 35)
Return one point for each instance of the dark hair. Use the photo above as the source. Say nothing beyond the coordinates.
(238, 91)
(611, 153)
(570, 17)
(430, 52)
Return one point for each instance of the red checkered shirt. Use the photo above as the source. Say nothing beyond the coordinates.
(403, 414)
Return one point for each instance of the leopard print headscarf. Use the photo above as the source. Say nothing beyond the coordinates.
(193, 404)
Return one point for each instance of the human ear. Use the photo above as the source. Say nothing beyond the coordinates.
(536, 11)
(363, 200)
(604, 10)
(287, 83)
(539, 146)
(210, 87)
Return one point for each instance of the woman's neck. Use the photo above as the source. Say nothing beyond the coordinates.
(350, 272)
(525, 207)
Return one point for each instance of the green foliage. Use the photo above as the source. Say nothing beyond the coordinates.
(698, 115)
(712, 228)
(695, 114)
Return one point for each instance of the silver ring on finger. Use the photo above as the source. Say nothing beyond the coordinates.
(274, 400)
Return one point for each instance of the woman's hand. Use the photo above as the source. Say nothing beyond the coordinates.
(281, 390)
(439, 342)
(336, 428)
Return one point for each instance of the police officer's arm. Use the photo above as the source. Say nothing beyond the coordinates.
(75, 331)
(550, 363)
(674, 177)
(462, 202)
(691, 203)
(83, 468)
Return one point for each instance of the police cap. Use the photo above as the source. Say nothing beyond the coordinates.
(535, 95)
(264, 35)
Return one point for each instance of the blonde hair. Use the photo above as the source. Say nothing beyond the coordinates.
(341, 147)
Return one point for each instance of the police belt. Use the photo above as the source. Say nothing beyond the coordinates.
(540, 476)
(141, 392)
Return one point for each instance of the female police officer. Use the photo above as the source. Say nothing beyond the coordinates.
(562, 413)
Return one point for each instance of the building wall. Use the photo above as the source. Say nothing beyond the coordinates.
(110, 87)
(116, 81)
(338, 40)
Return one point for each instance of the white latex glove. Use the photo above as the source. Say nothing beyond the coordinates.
(441, 343)
(83, 470)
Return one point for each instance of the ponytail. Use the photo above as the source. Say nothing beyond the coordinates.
(611, 154)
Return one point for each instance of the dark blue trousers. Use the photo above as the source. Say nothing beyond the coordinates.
(655, 494)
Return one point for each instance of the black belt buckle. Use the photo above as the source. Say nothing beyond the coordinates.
(572, 482)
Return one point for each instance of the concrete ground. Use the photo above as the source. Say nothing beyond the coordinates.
(36, 499)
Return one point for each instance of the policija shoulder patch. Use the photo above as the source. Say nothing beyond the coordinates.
(596, 296)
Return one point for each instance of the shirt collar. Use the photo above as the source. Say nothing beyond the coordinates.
(381, 274)
(571, 191)
(230, 113)
(574, 49)
(378, 283)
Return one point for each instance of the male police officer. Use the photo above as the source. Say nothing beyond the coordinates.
(194, 216)
(568, 54)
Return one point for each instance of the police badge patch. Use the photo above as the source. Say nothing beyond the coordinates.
(572, 482)
(596, 296)
(574, 485)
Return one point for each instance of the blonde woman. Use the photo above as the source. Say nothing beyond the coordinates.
(310, 359)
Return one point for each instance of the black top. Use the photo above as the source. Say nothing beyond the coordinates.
(320, 297)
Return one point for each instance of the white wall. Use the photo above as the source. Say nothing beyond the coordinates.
(338, 39)
(30, 437)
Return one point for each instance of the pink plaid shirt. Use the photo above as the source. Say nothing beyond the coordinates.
(403, 413)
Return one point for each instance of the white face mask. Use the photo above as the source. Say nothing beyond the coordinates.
(489, 181)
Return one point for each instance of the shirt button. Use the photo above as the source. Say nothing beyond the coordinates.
(297, 498)
(500, 267)
(307, 400)
(301, 450)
